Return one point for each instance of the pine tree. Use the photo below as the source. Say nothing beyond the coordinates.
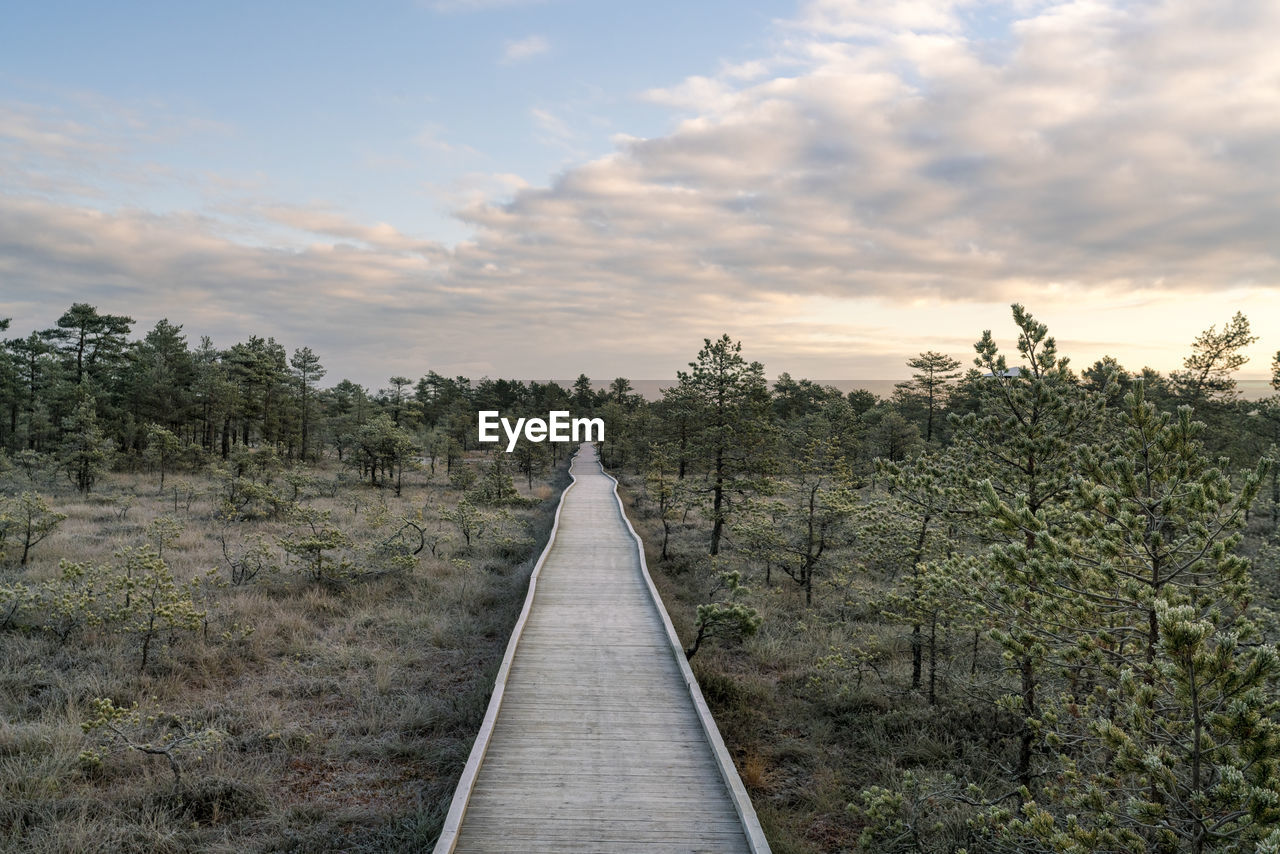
(163, 448)
(620, 391)
(724, 618)
(815, 507)
(677, 425)
(382, 450)
(397, 396)
(91, 343)
(584, 397)
(1020, 447)
(307, 371)
(145, 600)
(26, 519)
(934, 372)
(1215, 356)
(531, 459)
(34, 371)
(260, 371)
(159, 382)
(85, 452)
(664, 490)
(1166, 721)
(311, 538)
(923, 502)
(730, 400)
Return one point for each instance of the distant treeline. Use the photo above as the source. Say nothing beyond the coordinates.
(213, 400)
(257, 394)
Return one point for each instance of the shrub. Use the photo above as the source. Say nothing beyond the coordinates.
(249, 560)
(245, 497)
(724, 618)
(162, 734)
(145, 600)
(311, 539)
(28, 520)
(72, 600)
(15, 599)
(463, 477)
(472, 522)
(495, 486)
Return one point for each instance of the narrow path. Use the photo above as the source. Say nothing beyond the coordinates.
(595, 740)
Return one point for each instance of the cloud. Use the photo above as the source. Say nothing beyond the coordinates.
(380, 237)
(706, 95)
(522, 49)
(478, 188)
(1117, 146)
(745, 71)
(875, 18)
(86, 152)
(429, 138)
(551, 124)
(896, 183)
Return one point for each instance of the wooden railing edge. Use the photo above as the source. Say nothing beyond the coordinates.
(448, 840)
(728, 771)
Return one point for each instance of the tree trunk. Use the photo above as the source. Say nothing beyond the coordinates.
(717, 524)
(933, 661)
(917, 656)
(1027, 739)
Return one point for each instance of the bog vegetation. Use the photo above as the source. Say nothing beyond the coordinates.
(1015, 607)
(239, 611)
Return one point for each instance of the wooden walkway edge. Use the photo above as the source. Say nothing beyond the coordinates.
(597, 737)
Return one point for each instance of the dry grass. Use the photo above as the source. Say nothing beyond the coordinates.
(348, 710)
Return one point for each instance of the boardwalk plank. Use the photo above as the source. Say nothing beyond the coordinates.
(597, 744)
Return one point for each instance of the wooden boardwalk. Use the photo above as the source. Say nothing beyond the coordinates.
(597, 738)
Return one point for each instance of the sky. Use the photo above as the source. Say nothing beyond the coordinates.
(539, 188)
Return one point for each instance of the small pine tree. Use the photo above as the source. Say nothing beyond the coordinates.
(163, 449)
(923, 501)
(471, 520)
(311, 538)
(662, 488)
(175, 738)
(27, 519)
(146, 601)
(817, 502)
(495, 485)
(724, 618)
(86, 452)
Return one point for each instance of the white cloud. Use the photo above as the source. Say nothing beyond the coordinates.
(552, 129)
(896, 178)
(430, 138)
(745, 71)
(525, 48)
(1117, 146)
(874, 18)
(695, 94)
(478, 189)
